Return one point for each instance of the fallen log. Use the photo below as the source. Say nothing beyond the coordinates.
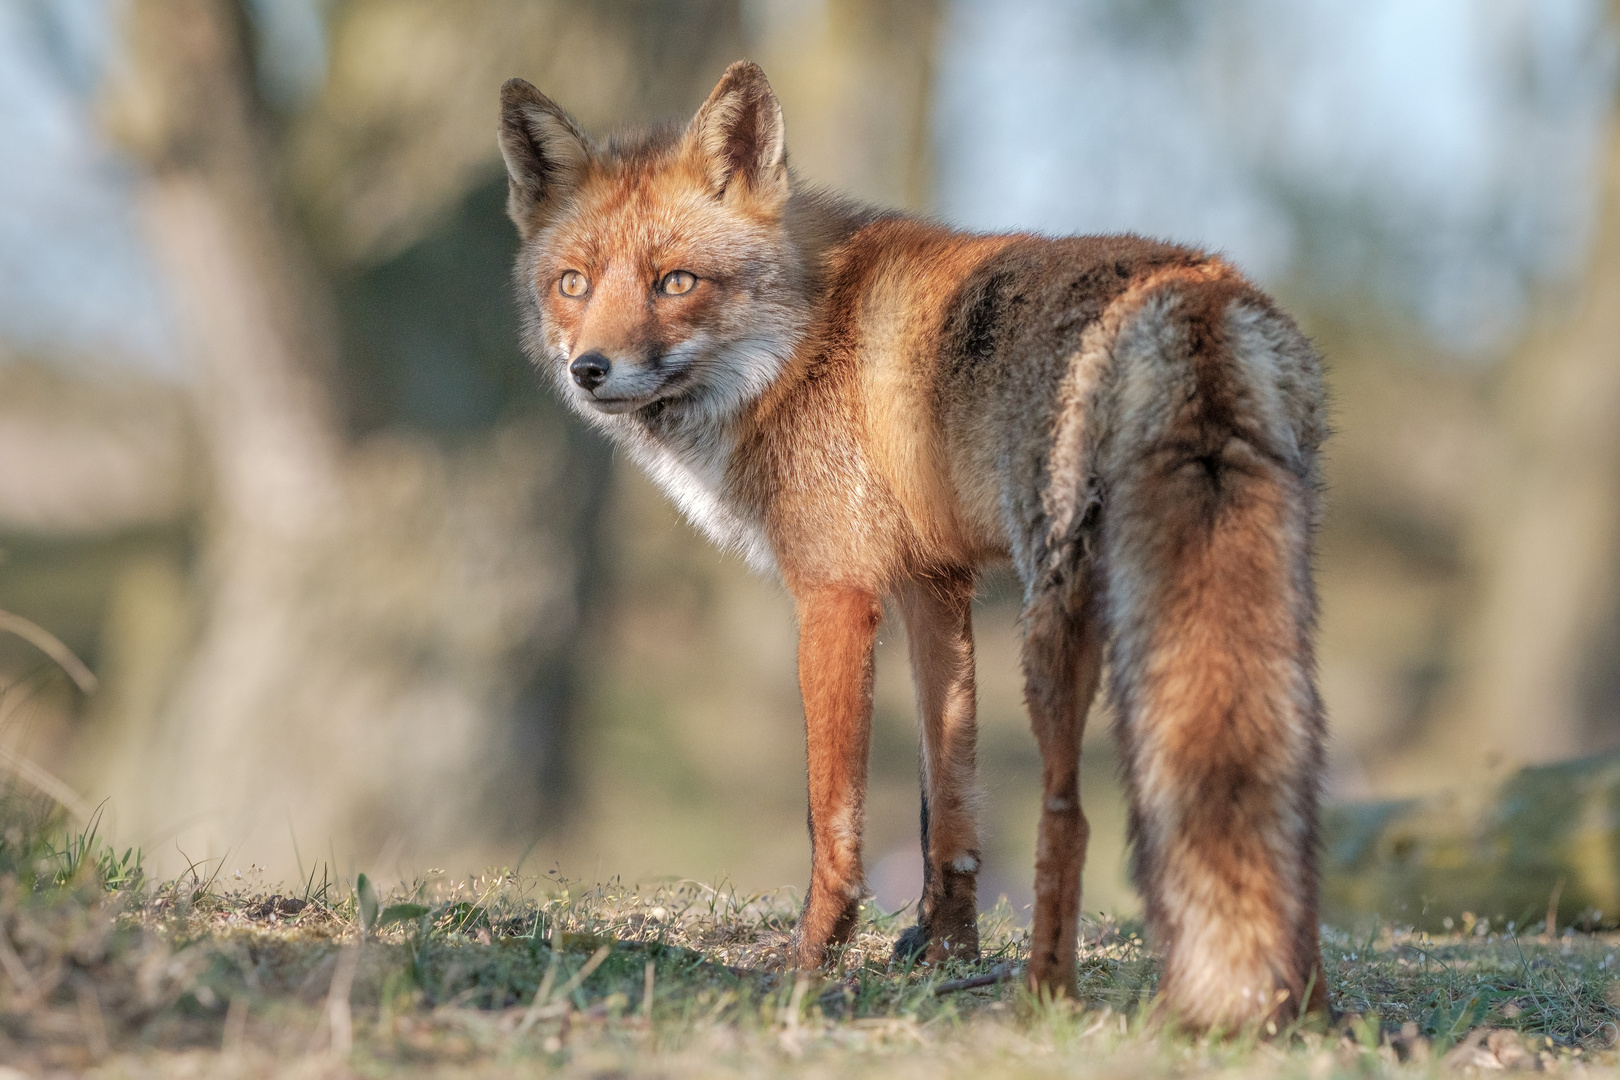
(1543, 843)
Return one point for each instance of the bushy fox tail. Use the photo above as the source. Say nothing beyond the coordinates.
(1209, 475)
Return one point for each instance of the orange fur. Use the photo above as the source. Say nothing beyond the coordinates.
(870, 406)
(837, 627)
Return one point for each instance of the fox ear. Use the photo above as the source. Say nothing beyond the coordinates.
(545, 153)
(738, 134)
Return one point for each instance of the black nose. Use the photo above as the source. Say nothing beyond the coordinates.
(589, 369)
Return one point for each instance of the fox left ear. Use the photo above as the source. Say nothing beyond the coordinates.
(545, 152)
(738, 133)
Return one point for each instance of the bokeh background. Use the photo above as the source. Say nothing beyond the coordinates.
(361, 596)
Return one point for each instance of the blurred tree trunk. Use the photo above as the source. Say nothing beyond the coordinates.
(385, 635)
(1546, 535)
(364, 614)
(856, 82)
(257, 332)
(255, 321)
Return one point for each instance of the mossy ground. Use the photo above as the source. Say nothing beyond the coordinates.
(502, 974)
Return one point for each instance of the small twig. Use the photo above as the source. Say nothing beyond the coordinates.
(583, 973)
(543, 994)
(545, 1005)
(47, 643)
(999, 973)
(1552, 908)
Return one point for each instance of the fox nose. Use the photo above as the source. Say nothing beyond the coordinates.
(590, 369)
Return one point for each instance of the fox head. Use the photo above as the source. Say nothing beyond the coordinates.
(656, 273)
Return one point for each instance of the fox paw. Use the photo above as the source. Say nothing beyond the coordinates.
(923, 945)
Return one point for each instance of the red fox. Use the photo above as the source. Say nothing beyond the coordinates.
(873, 407)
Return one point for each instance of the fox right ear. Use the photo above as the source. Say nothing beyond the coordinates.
(545, 153)
(738, 134)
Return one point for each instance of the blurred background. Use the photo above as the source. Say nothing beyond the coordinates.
(358, 592)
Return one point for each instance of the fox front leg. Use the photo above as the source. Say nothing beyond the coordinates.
(837, 629)
(939, 625)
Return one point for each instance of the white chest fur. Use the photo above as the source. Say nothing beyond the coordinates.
(693, 474)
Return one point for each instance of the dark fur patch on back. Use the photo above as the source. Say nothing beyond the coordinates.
(982, 320)
(1037, 296)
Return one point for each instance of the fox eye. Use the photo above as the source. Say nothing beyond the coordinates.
(573, 283)
(677, 283)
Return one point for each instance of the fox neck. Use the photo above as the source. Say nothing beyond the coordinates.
(686, 449)
(691, 465)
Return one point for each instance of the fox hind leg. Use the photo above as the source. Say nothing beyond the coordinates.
(938, 613)
(1062, 659)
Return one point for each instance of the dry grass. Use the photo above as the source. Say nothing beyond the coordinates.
(501, 975)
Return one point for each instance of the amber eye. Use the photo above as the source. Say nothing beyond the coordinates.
(573, 283)
(677, 283)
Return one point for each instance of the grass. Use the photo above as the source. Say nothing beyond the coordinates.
(503, 975)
